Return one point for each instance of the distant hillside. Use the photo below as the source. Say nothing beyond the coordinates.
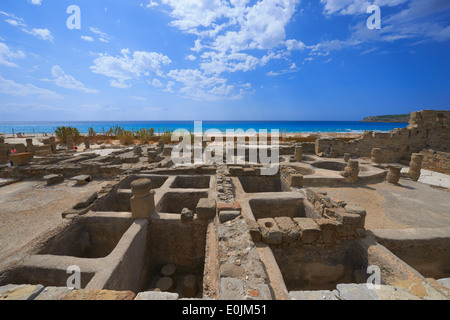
(388, 118)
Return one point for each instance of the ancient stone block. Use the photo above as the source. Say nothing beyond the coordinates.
(53, 179)
(288, 229)
(85, 294)
(82, 179)
(21, 159)
(53, 293)
(187, 215)
(348, 218)
(296, 180)
(309, 230)
(270, 232)
(231, 289)
(393, 175)
(156, 295)
(376, 155)
(206, 208)
(298, 153)
(351, 172)
(415, 166)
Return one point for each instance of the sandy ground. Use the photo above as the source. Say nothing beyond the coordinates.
(30, 208)
(407, 205)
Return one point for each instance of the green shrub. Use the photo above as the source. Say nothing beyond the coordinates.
(145, 135)
(126, 137)
(63, 132)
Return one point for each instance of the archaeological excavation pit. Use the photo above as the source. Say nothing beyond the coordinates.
(91, 237)
(191, 182)
(311, 267)
(277, 207)
(176, 255)
(176, 201)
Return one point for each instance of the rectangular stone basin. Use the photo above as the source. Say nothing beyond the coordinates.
(90, 237)
(252, 184)
(175, 201)
(277, 207)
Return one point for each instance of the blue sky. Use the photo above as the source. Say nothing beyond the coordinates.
(222, 59)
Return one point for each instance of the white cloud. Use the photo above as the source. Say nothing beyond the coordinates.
(127, 67)
(103, 37)
(15, 23)
(61, 79)
(43, 34)
(350, 7)
(199, 86)
(191, 57)
(11, 87)
(35, 2)
(87, 38)
(157, 83)
(6, 55)
(293, 44)
(151, 4)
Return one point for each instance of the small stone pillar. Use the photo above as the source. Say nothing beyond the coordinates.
(415, 165)
(3, 151)
(87, 144)
(351, 172)
(298, 153)
(151, 154)
(376, 155)
(160, 146)
(143, 199)
(30, 146)
(137, 151)
(69, 140)
(393, 175)
(190, 286)
(347, 156)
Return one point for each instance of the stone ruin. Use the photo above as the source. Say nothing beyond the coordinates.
(218, 231)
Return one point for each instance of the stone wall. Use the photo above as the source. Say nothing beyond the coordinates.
(426, 129)
(436, 161)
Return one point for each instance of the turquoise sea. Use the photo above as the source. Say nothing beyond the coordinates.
(38, 127)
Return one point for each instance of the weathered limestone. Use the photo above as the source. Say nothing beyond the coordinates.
(3, 151)
(21, 159)
(376, 155)
(137, 151)
(206, 208)
(347, 156)
(295, 180)
(82, 179)
(186, 215)
(20, 292)
(69, 141)
(156, 295)
(30, 146)
(143, 200)
(393, 175)
(190, 286)
(288, 229)
(151, 155)
(351, 172)
(87, 144)
(298, 153)
(54, 179)
(270, 232)
(309, 230)
(415, 166)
